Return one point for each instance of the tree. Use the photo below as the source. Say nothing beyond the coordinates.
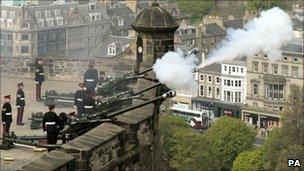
(197, 9)
(259, 5)
(249, 160)
(226, 139)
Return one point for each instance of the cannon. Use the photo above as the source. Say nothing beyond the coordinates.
(59, 99)
(84, 124)
(36, 120)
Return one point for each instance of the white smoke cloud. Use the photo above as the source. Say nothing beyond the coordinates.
(175, 70)
(265, 34)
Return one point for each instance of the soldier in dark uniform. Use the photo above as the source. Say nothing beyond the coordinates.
(20, 103)
(79, 97)
(7, 114)
(89, 104)
(91, 78)
(39, 78)
(49, 124)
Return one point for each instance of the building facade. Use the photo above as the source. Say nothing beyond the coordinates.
(269, 84)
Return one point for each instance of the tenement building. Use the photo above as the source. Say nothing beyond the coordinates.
(269, 84)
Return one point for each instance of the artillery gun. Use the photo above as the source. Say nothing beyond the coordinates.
(36, 120)
(59, 99)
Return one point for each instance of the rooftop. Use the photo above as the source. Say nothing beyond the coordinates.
(213, 68)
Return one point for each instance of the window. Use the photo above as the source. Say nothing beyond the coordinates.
(236, 83)
(4, 14)
(97, 16)
(218, 93)
(275, 91)
(12, 14)
(225, 68)
(274, 69)
(225, 82)
(24, 26)
(255, 66)
(9, 23)
(229, 70)
(38, 14)
(295, 71)
(57, 12)
(202, 77)
(9, 36)
(209, 92)
(233, 69)
(2, 22)
(120, 22)
(242, 70)
(228, 96)
(92, 7)
(50, 22)
(255, 104)
(240, 83)
(236, 97)
(295, 59)
(265, 68)
(265, 56)
(59, 21)
(284, 70)
(228, 82)
(61, 47)
(24, 36)
(24, 49)
(217, 79)
(285, 58)
(112, 49)
(255, 88)
(40, 23)
(47, 13)
(92, 17)
(209, 79)
(201, 90)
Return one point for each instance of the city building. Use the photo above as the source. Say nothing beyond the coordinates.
(269, 84)
(59, 30)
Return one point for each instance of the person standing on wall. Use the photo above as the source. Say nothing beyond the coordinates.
(39, 78)
(49, 124)
(91, 78)
(7, 114)
(20, 103)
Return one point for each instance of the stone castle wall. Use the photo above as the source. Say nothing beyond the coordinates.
(59, 68)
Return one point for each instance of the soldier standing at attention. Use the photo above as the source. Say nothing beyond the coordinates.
(49, 124)
(7, 114)
(79, 98)
(20, 103)
(91, 78)
(89, 104)
(39, 78)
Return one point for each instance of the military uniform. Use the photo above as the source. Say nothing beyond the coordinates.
(6, 115)
(49, 124)
(78, 100)
(39, 78)
(20, 103)
(91, 78)
(89, 105)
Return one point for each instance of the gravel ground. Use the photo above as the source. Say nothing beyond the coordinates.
(23, 155)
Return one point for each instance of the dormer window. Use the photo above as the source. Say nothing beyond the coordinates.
(47, 13)
(50, 22)
(111, 49)
(295, 59)
(92, 7)
(24, 26)
(57, 12)
(38, 14)
(120, 22)
(12, 14)
(59, 21)
(9, 23)
(40, 23)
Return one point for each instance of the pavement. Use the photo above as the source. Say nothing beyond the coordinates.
(23, 155)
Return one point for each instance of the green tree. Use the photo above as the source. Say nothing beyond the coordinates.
(197, 9)
(226, 139)
(288, 141)
(249, 160)
(259, 5)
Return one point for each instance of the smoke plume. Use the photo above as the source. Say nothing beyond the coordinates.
(175, 70)
(265, 34)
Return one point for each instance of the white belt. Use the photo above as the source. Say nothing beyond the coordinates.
(8, 114)
(90, 80)
(50, 123)
(79, 99)
(88, 107)
(99, 86)
(22, 98)
(41, 73)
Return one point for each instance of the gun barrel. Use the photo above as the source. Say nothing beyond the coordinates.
(145, 71)
(31, 143)
(146, 89)
(168, 94)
